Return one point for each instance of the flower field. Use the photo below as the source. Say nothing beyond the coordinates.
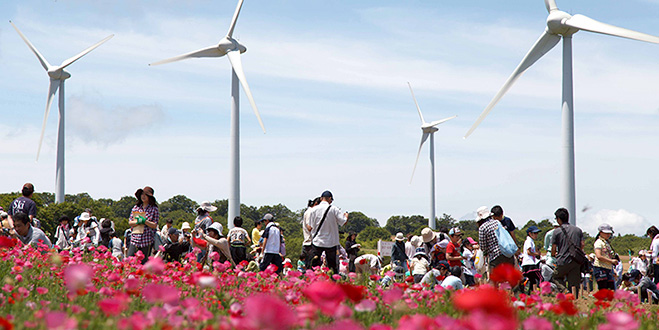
(91, 290)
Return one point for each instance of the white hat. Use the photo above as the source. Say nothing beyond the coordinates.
(185, 225)
(482, 213)
(3, 214)
(427, 234)
(85, 216)
(206, 206)
(416, 241)
(216, 226)
(400, 237)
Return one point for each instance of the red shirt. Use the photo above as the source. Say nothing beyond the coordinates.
(453, 251)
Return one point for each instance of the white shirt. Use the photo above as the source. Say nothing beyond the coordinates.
(305, 231)
(528, 260)
(117, 247)
(453, 282)
(469, 267)
(371, 262)
(328, 236)
(655, 248)
(420, 266)
(638, 264)
(272, 245)
(409, 249)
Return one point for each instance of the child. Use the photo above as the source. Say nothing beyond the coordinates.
(238, 240)
(634, 280)
(453, 282)
(419, 264)
(530, 258)
(469, 268)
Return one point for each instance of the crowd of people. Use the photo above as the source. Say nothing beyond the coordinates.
(445, 258)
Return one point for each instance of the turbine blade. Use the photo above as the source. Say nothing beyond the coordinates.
(52, 89)
(83, 53)
(423, 140)
(582, 22)
(417, 104)
(551, 5)
(211, 51)
(437, 122)
(234, 20)
(234, 58)
(42, 60)
(544, 44)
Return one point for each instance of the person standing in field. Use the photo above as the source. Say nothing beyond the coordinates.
(324, 224)
(567, 246)
(143, 220)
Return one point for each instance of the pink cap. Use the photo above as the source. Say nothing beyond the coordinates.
(471, 241)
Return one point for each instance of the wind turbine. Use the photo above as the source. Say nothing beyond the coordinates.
(57, 76)
(428, 130)
(232, 49)
(561, 24)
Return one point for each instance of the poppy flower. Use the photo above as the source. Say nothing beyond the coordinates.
(354, 292)
(5, 324)
(604, 294)
(326, 295)
(486, 299)
(506, 273)
(77, 277)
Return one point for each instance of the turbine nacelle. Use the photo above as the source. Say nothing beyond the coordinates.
(429, 128)
(59, 74)
(228, 44)
(556, 23)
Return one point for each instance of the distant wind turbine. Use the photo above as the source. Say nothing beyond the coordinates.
(232, 49)
(57, 76)
(428, 130)
(561, 24)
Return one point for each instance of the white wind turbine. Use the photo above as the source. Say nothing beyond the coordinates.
(232, 49)
(57, 76)
(561, 24)
(428, 130)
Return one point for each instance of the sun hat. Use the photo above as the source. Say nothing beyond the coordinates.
(416, 241)
(185, 226)
(400, 237)
(172, 231)
(443, 244)
(641, 252)
(605, 228)
(215, 226)
(454, 231)
(533, 229)
(420, 252)
(85, 216)
(482, 213)
(326, 194)
(148, 190)
(427, 234)
(206, 206)
(471, 241)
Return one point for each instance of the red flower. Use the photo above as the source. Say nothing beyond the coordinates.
(6, 242)
(354, 292)
(604, 294)
(506, 273)
(486, 299)
(200, 242)
(565, 307)
(5, 324)
(326, 295)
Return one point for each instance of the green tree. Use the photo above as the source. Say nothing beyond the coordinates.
(123, 206)
(406, 224)
(357, 221)
(369, 237)
(178, 202)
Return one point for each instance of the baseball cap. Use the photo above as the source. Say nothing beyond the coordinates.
(327, 193)
(172, 231)
(267, 216)
(454, 231)
(533, 229)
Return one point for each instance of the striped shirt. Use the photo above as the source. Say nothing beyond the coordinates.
(146, 238)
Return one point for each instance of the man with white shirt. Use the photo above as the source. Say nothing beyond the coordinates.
(306, 244)
(324, 223)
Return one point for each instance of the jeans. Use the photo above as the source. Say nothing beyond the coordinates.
(604, 278)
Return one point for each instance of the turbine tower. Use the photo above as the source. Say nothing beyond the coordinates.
(428, 130)
(57, 76)
(232, 49)
(561, 24)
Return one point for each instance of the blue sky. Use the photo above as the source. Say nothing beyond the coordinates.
(329, 78)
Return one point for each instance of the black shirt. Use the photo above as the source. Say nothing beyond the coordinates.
(173, 251)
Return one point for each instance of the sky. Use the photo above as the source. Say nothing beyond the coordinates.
(330, 80)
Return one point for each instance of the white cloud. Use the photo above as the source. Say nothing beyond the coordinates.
(93, 122)
(623, 222)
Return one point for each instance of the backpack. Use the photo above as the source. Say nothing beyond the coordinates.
(506, 243)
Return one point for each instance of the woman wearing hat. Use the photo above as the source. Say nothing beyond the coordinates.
(143, 219)
(203, 221)
(398, 255)
(87, 229)
(604, 258)
(419, 264)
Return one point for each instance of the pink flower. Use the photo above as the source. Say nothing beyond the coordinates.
(379, 326)
(60, 321)
(154, 266)
(269, 313)
(392, 295)
(537, 323)
(545, 288)
(342, 325)
(77, 277)
(206, 281)
(417, 321)
(159, 293)
(326, 295)
(115, 305)
(42, 291)
(366, 305)
(619, 321)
